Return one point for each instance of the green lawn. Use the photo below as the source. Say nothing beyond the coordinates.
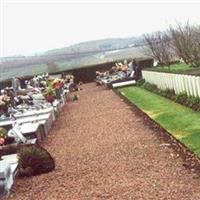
(175, 68)
(180, 121)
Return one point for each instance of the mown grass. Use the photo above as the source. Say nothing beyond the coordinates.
(175, 68)
(180, 121)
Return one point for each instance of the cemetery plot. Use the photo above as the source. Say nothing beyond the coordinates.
(103, 150)
(26, 118)
(120, 75)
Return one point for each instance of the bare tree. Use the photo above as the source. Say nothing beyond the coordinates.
(195, 47)
(159, 47)
(186, 43)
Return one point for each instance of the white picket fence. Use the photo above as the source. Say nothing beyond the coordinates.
(178, 82)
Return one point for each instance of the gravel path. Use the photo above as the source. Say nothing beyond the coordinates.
(103, 151)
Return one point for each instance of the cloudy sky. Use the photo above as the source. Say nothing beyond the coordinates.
(28, 26)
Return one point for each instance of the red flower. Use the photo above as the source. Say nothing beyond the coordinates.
(58, 85)
(2, 141)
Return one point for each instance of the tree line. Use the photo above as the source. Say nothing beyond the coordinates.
(180, 42)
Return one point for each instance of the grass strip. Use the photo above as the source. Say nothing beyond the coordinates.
(180, 121)
(179, 68)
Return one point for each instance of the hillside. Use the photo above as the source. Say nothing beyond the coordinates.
(99, 45)
(76, 56)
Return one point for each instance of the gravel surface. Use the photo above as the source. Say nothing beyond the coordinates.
(103, 150)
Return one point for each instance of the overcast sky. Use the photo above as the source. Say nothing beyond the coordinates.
(28, 26)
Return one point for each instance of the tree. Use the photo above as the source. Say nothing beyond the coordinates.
(186, 43)
(159, 47)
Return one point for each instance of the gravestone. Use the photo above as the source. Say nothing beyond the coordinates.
(6, 178)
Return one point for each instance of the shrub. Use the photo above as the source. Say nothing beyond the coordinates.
(170, 93)
(196, 107)
(162, 93)
(35, 160)
(181, 98)
(75, 97)
(140, 82)
(191, 101)
(150, 87)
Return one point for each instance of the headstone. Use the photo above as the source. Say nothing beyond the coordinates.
(6, 178)
(16, 85)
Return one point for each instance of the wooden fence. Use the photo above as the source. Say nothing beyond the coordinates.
(178, 82)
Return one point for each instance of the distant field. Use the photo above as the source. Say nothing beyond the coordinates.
(22, 71)
(180, 68)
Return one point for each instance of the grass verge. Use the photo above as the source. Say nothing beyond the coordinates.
(182, 122)
(179, 68)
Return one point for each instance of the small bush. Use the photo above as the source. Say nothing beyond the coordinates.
(35, 160)
(170, 94)
(150, 87)
(196, 107)
(140, 82)
(162, 92)
(182, 98)
(75, 97)
(191, 101)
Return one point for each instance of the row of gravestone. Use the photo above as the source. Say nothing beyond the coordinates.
(177, 82)
(29, 128)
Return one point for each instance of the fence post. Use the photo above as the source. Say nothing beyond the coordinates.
(194, 86)
(182, 83)
(198, 85)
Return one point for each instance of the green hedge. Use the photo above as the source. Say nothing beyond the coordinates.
(182, 98)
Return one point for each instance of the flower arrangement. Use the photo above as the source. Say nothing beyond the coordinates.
(124, 68)
(69, 77)
(58, 84)
(49, 94)
(52, 91)
(4, 102)
(3, 135)
(98, 73)
(113, 69)
(43, 83)
(118, 68)
(4, 99)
